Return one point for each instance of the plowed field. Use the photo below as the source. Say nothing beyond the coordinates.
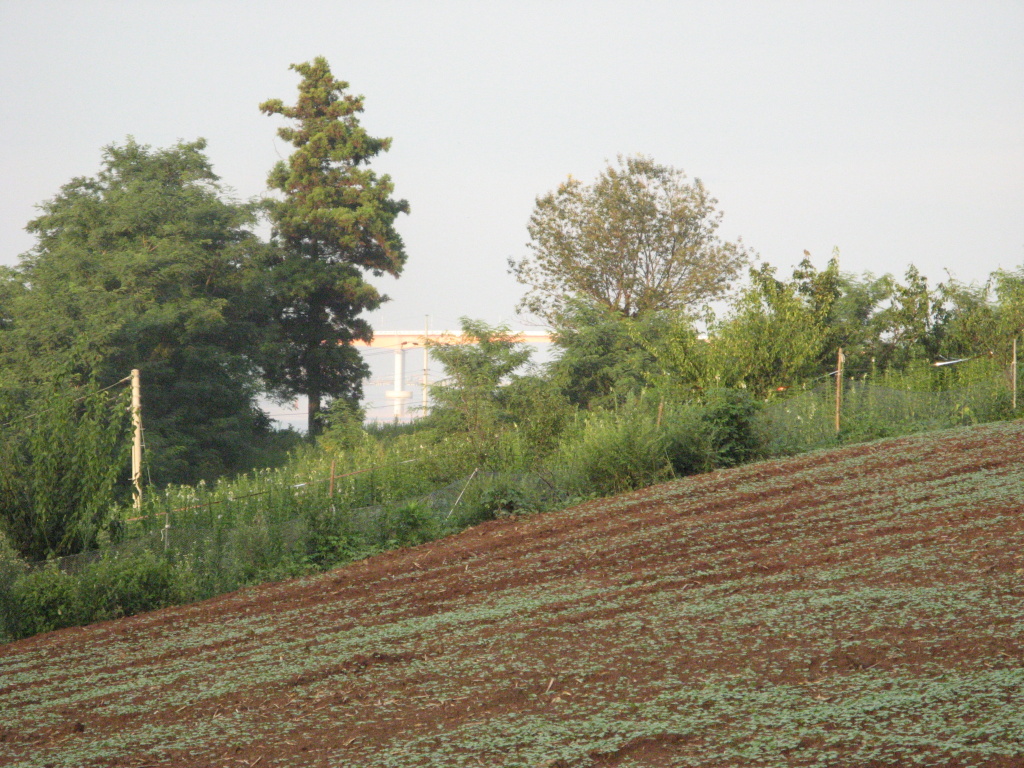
(862, 607)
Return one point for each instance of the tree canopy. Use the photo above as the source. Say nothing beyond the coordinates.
(603, 357)
(332, 225)
(641, 238)
(146, 265)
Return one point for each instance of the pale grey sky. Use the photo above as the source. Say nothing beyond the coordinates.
(893, 130)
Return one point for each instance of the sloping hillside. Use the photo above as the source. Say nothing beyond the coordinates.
(863, 607)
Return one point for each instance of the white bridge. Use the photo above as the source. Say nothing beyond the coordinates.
(400, 341)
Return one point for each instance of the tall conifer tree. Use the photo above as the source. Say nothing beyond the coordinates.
(333, 224)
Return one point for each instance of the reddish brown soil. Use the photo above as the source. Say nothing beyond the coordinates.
(611, 595)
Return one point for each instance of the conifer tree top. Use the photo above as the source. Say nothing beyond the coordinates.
(335, 208)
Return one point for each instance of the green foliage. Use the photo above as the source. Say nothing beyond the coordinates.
(777, 335)
(919, 398)
(501, 443)
(642, 238)
(905, 329)
(720, 430)
(148, 266)
(333, 224)
(539, 413)
(737, 434)
(330, 539)
(344, 425)
(689, 439)
(612, 451)
(48, 598)
(409, 524)
(421, 482)
(973, 319)
(473, 397)
(772, 338)
(504, 498)
(505, 494)
(60, 459)
(604, 357)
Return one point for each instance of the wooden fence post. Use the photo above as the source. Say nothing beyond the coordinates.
(839, 388)
(137, 441)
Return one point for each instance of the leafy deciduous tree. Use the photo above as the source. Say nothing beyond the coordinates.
(605, 357)
(772, 338)
(471, 399)
(904, 327)
(642, 238)
(146, 265)
(971, 320)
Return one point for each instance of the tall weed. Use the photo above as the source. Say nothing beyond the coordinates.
(611, 452)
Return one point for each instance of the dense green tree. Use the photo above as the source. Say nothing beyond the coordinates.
(967, 319)
(773, 337)
(146, 265)
(847, 308)
(333, 224)
(904, 327)
(822, 292)
(780, 333)
(642, 238)
(603, 357)
(853, 326)
(473, 398)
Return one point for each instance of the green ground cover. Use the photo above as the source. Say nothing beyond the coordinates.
(852, 608)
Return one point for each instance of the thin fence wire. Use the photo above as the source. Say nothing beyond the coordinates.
(807, 420)
(40, 411)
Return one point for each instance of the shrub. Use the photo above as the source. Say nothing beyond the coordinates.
(503, 499)
(124, 586)
(409, 524)
(49, 598)
(329, 538)
(42, 601)
(59, 470)
(500, 497)
(612, 452)
(690, 440)
(732, 415)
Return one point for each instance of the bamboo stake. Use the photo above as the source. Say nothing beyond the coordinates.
(839, 388)
(137, 442)
(330, 492)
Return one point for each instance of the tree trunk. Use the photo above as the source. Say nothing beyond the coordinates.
(313, 424)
